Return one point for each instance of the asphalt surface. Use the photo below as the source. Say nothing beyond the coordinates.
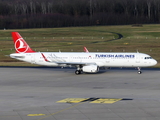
(34, 93)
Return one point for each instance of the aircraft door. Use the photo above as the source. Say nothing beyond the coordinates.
(137, 59)
(32, 58)
(107, 60)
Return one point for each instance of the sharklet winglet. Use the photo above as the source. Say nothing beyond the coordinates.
(45, 57)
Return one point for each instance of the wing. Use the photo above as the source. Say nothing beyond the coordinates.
(67, 63)
(75, 63)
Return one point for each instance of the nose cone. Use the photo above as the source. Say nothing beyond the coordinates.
(154, 62)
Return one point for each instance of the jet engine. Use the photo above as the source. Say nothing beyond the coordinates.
(90, 68)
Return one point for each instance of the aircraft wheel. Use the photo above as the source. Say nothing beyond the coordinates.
(139, 72)
(77, 72)
(81, 72)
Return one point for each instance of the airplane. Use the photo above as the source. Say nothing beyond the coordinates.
(85, 62)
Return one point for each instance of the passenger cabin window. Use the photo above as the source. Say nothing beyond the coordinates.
(148, 58)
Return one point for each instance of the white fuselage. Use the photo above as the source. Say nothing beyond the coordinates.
(101, 59)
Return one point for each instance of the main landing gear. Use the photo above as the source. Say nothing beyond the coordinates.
(139, 70)
(79, 70)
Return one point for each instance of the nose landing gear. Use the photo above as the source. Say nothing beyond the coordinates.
(139, 70)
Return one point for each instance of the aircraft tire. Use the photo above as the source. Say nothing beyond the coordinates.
(77, 72)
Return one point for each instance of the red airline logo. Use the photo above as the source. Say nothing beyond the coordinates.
(21, 46)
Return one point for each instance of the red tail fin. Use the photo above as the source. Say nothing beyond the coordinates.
(20, 45)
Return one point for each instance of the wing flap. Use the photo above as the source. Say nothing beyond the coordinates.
(75, 63)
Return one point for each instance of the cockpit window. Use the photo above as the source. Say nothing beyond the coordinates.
(148, 58)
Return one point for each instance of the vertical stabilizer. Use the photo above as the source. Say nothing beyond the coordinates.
(20, 45)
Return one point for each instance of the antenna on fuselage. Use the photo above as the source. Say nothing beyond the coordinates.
(137, 51)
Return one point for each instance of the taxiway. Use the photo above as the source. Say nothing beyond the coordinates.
(34, 93)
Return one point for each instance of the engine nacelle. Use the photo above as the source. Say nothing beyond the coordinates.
(90, 68)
